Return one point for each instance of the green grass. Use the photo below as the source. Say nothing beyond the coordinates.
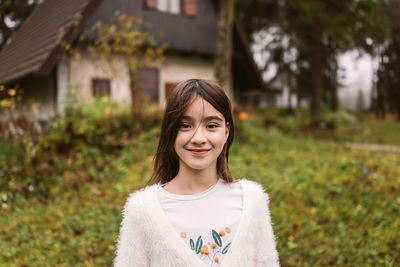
(372, 130)
(330, 205)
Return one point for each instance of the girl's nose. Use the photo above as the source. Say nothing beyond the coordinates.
(199, 136)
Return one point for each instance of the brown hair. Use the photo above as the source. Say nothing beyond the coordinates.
(166, 165)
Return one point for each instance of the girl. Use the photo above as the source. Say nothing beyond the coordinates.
(196, 214)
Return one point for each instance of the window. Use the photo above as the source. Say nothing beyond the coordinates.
(189, 7)
(101, 87)
(184, 7)
(147, 83)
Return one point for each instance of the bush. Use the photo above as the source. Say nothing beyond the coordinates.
(80, 147)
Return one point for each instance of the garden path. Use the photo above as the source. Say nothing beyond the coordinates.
(373, 147)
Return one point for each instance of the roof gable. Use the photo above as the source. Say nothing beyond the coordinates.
(33, 48)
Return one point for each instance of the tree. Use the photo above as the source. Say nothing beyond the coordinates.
(12, 14)
(224, 46)
(388, 84)
(317, 31)
(387, 95)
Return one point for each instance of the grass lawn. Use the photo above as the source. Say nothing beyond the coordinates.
(330, 205)
(372, 130)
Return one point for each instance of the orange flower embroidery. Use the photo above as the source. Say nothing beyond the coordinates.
(218, 246)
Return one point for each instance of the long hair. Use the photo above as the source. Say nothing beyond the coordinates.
(166, 161)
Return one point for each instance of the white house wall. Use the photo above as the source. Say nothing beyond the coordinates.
(76, 73)
(173, 69)
(62, 76)
(177, 68)
(87, 66)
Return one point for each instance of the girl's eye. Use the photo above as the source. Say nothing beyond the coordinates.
(184, 126)
(212, 125)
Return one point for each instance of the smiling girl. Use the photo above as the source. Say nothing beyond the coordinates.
(195, 213)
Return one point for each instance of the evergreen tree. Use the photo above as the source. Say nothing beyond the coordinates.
(317, 31)
(388, 85)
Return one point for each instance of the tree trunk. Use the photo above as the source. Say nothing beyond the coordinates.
(333, 81)
(136, 96)
(224, 46)
(290, 87)
(380, 101)
(316, 75)
(335, 99)
(298, 100)
(398, 113)
(334, 87)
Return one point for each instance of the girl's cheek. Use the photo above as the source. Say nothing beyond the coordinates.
(184, 135)
(217, 137)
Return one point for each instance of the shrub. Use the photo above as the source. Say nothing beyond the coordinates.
(80, 147)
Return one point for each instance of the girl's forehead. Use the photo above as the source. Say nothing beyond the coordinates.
(200, 104)
(200, 108)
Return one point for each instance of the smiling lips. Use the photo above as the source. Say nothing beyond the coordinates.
(198, 152)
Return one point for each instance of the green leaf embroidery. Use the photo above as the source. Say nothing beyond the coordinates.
(216, 237)
(199, 244)
(191, 244)
(225, 250)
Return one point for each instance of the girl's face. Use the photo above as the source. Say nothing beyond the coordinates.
(201, 136)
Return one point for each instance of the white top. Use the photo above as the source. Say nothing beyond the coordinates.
(148, 239)
(206, 221)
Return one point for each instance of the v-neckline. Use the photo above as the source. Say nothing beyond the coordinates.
(172, 235)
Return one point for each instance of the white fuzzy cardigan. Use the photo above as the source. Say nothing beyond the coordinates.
(147, 238)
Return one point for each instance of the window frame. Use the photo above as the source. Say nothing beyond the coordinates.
(101, 82)
(153, 5)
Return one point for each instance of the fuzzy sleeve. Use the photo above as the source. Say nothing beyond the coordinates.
(267, 254)
(131, 247)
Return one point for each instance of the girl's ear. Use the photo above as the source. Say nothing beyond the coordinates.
(227, 131)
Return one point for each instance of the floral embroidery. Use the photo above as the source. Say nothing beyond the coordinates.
(210, 251)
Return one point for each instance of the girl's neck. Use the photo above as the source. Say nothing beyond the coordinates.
(191, 182)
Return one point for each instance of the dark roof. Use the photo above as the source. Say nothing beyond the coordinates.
(245, 71)
(191, 34)
(34, 47)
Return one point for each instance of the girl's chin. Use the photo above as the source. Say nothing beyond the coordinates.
(198, 167)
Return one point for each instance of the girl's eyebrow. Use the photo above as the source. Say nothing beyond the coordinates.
(209, 118)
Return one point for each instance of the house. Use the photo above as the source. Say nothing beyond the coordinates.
(35, 61)
(286, 95)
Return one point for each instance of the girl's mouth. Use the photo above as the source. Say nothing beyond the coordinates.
(198, 152)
